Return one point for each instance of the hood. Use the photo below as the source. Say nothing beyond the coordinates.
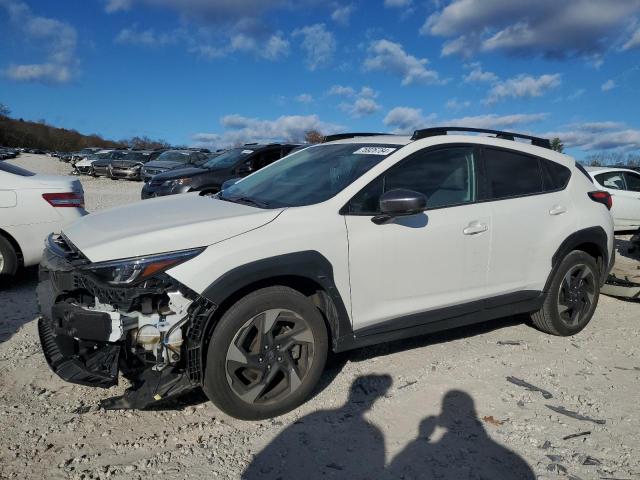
(85, 162)
(165, 224)
(179, 173)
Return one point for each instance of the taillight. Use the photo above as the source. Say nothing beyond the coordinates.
(602, 197)
(66, 199)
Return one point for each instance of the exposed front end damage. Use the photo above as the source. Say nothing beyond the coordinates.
(92, 330)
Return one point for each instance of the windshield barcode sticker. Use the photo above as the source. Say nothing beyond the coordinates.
(374, 151)
(246, 152)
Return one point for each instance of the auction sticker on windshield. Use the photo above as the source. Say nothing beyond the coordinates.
(374, 151)
(247, 152)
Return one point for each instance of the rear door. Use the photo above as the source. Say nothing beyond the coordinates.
(423, 262)
(532, 214)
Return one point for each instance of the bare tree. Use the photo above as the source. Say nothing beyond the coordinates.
(313, 136)
(4, 110)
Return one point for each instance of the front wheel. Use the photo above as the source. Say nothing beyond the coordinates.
(266, 354)
(8, 258)
(572, 297)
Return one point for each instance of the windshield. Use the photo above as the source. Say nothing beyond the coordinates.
(175, 156)
(7, 167)
(135, 156)
(228, 158)
(98, 156)
(309, 176)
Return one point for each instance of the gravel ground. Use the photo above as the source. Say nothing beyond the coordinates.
(438, 406)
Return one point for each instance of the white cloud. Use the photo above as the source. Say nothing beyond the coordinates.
(388, 56)
(361, 107)
(273, 47)
(608, 85)
(547, 27)
(342, 14)
(523, 86)
(318, 43)
(341, 90)
(493, 121)
(455, 105)
(304, 98)
(633, 42)
(598, 136)
(240, 129)
(56, 38)
(148, 38)
(397, 3)
(113, 6)
(477, 75)
(406, 119)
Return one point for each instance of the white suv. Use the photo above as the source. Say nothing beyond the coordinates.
(348, 243)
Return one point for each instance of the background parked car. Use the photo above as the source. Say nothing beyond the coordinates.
(624, 186)
(102, 167)
(130, 166)
(84, 153)
(172, 159)
(32, 207)
(85, 166)
(209, 177)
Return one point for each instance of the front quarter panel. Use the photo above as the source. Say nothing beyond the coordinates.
(313, 228)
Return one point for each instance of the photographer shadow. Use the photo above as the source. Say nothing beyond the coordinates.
(342, 443)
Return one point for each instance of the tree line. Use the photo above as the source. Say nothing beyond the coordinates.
(16, 132)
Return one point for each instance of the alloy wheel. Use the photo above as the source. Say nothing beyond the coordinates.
(270, 356)
(576, 294)
(1, 262)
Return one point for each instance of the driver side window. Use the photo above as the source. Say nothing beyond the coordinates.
(445, 176)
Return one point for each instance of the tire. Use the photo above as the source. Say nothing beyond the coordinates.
(8, 258)
(253, 375)
(572, 296)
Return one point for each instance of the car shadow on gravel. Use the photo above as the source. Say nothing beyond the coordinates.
(18, 303)
(342, 443)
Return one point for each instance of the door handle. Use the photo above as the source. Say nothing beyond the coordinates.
(557, 210)
(474, 228)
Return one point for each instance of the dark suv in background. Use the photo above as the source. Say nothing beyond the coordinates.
(172, 159)
(209, 177)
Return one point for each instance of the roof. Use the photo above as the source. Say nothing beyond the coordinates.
(608, 169)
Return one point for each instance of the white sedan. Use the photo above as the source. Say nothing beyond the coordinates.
(624, 186)
(31, 207)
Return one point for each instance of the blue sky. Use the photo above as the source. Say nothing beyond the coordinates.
(216, 72)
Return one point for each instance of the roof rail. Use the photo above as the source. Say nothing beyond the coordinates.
(342, 136)
(432, 132)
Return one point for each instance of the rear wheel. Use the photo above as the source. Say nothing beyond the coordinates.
(266, 354)
(8, 258)
(572, 297)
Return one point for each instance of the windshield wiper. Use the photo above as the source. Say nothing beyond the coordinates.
(245, 200)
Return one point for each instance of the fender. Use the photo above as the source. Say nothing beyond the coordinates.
(593, 235)
(308, 264)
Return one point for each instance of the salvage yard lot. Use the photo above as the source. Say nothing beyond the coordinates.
(438, 406)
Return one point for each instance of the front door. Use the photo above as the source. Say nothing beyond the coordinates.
(422, 262)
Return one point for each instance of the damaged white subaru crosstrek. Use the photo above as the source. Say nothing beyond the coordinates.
(359, 240)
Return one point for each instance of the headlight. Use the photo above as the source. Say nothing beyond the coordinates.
(175, 183)
(137, 269)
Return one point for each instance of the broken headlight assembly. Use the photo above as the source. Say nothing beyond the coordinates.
(177, 182)
(137, 269)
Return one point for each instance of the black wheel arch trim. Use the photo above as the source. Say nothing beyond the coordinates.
(309, 265)
(592, 235)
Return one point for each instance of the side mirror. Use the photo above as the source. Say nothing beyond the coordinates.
(399, 202)
(244, 170)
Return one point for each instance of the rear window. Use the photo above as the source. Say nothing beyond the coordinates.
(555, 176)
(9, 168)
(509, 174)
